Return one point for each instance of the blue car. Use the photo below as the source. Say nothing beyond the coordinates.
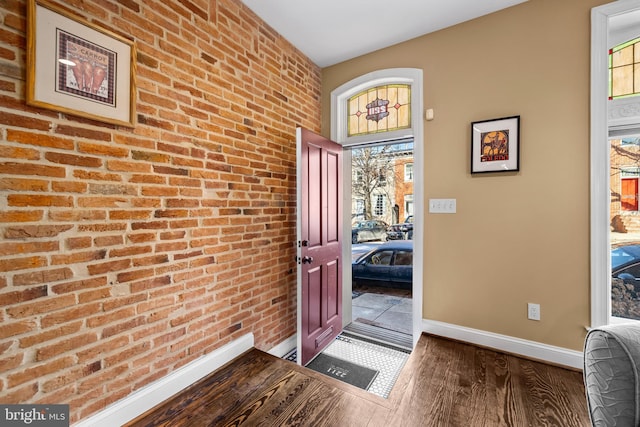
(389, 264)
(625, 264)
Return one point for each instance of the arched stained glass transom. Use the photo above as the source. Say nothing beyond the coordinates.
(624, 69)
(379, 109)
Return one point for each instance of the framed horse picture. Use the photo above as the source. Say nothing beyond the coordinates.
(495, 145)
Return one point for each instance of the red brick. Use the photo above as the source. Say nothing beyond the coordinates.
(127, 166)
(160, 191)
(70, 314)
(78, 242)
(69, 187)
(22, 121)
(16, 328)
(47, 276)
(15, 264)
(152, 283)
(108, 267)
(39, 200)
(23, 184)
(77, 215)
(39, 370)
(94, 175)
(14, 248)
(108, 240)
(102, 149)
(101, 202)
(83, 132)
(78, 257)
(20, 395)
(78, 285)
(39, 139)
(11, 362)
(123, 326)
(130, 251)
(19, 153)
(103, 227)
(34, 231)
(112, 316)
(9, 168)
(40, 306)
(51, 334)
(151, 260)
(141, 237)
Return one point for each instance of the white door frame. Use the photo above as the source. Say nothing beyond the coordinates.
(600, 161)
(412, 76)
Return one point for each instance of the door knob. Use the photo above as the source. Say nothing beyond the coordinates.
(307, 259)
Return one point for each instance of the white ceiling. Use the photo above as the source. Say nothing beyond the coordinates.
(332, 31)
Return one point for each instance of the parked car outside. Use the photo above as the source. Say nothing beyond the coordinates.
(402, 231)
(625, 264)
(359, 249)
(389, 265)
(625, 281)
(365, 231)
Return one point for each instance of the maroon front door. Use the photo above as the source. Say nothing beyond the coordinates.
(319, 247)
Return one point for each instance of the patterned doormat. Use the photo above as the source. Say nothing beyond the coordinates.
(386, 359)
(350, 373)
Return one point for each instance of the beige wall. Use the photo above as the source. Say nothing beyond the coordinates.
(517, 237)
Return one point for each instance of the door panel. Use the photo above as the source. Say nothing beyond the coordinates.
(314, 293)
(629, 195)
(333, 293)
(319, 243)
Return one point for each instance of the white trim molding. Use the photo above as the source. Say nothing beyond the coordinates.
(529, 349)
(157, 392)
(284, 347)
(624, 112)
(604, 22)
(339, 97)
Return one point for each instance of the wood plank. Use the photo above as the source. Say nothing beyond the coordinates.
(444, 383)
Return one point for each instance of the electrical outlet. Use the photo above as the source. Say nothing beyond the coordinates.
(533, 311)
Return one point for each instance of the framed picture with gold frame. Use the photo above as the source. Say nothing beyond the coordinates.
(495, 145)
(76, 67)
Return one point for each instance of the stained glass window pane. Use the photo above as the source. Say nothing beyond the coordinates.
(379, 109)
(623, 56)
(624, 69)
(622, 80)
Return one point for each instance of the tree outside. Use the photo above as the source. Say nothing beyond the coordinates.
(376, 180)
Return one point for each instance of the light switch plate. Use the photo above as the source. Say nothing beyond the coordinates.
(442, 205)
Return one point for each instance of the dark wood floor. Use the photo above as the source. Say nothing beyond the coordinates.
(444, 383)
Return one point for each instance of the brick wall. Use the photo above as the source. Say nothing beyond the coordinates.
(625, 156)
(127, 253)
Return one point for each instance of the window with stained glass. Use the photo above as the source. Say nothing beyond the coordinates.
(624, 69)
(379, 109)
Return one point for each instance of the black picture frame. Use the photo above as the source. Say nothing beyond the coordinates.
(495, 145)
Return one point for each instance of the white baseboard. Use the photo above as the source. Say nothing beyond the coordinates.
(284, 347)
(151, 395)
(531, 349)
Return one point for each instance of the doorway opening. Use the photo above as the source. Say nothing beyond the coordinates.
(360, 116)
(381, 240)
